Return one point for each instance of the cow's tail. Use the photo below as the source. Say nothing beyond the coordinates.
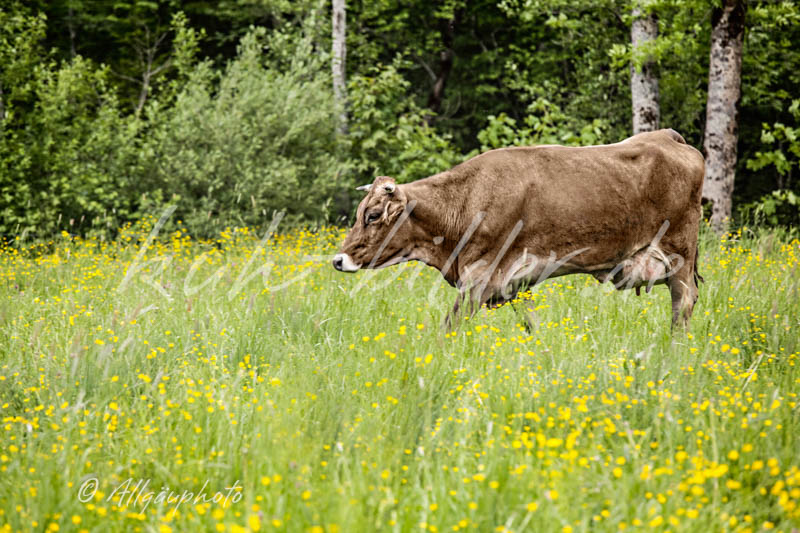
(697, 277)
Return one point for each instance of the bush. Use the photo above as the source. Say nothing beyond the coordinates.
(778, 208)
(260, 137)
(388, 131)
(545, 123)
(65, 147)
(781, 157)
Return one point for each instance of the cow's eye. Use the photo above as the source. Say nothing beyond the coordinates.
(372, 217)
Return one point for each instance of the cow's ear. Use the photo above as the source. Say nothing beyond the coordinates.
(366, 187)
(384, 184)
(396, 201)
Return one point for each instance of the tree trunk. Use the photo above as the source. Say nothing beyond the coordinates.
(724, 91)
(445, 66)
(72, 33)
(147, 55)
(644, 82)
(338, 62)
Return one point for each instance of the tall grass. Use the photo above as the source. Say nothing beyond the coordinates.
(337, 402)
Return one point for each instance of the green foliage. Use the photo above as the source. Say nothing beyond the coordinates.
(110, 109)
(566, 63)
(81, 145)
(770, 82)
(185, 45)
(258, 137)
(785, 141)
(228, 146)
(65, 147)
(545, 124)
(781, 207)
(20, 36)
(389, 132)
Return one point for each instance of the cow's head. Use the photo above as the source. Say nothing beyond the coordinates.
(376, 239)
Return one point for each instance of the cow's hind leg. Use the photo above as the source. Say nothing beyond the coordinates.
(683, 290)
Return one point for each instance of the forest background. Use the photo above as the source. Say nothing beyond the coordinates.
(232, 110)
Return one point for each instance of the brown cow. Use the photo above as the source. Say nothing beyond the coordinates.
(627, 212)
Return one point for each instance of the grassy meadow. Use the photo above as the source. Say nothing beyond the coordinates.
(171, 385)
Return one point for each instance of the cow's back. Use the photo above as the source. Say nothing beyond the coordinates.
(607, 197)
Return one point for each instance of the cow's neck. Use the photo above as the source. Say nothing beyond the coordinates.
(435, 222)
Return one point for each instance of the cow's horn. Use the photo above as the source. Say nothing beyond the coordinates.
(389, 187)
(364, 187)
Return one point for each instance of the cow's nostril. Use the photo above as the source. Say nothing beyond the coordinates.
(337, 262)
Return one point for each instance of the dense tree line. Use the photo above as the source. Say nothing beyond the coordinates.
(236, 108)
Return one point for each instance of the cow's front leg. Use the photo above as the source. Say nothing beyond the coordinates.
(453, 318)
(527, 314)
(465, 306)
(470, 300)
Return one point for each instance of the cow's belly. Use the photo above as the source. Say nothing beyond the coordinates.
(647, 266)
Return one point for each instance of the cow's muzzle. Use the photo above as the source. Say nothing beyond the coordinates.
(343, 263)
